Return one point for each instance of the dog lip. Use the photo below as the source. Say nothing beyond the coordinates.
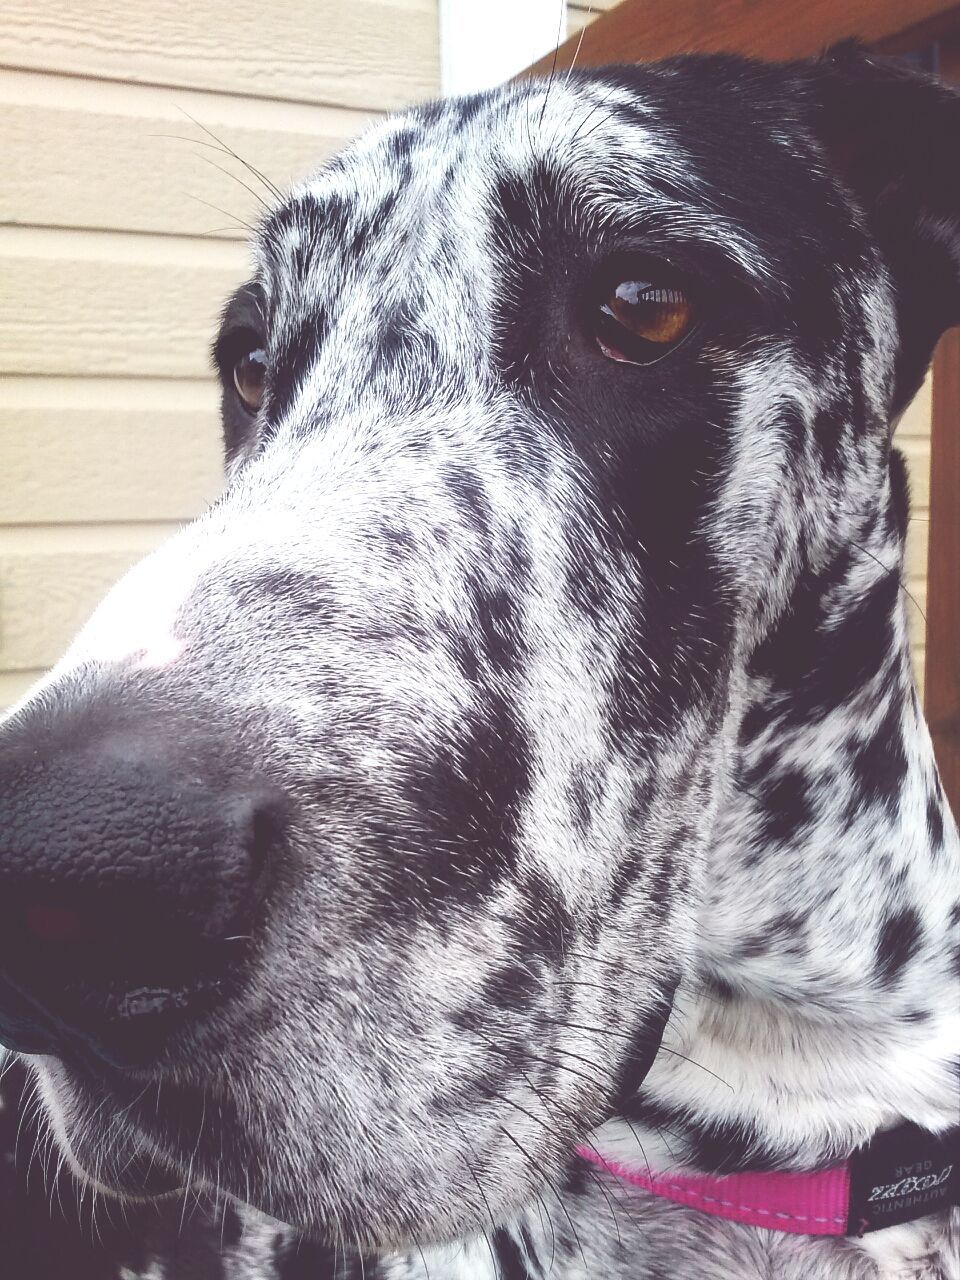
(142, 1180)
(142, 1176)
(122, 1029)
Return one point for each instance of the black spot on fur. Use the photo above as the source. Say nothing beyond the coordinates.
(878, 767)
(463, 650)
(628, 876)
(396, 541)
(829, 434)
(499, 634)
(545, 924)
(296, 350)
(509, 1256)
(714, 1148)
(291, 592)
(305, 1260)
(816, 667)
(917, 1016)
(785, 807)
(660, 889)
(512, 987)
(731, 1148)
(934, 819)
(754, 945)
(719, 988)
(469, 108)
(642, 1048)
(470, 501)
(897, 943)
(583, 793)
(587, 585)
(468, 801)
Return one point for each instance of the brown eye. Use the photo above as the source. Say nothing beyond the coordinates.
(639, 321)
(249, 377)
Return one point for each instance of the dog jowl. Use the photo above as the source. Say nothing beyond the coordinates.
(355, 853)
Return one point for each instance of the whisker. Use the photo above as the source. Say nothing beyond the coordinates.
(270, 186)
(620, 1035)
(236, 178)
(576, 52)
(237, 222)
(553, 68)
(896, 569)
(538, 1168)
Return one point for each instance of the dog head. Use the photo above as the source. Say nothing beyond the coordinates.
(351, 854)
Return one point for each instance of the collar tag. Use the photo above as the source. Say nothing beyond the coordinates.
(903, 1174)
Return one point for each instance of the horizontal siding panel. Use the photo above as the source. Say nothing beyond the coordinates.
(579, 15)
(918, 540)
(920, 670)
(85, 302)
(14, 684)
(51, 579)
(916, 419)
(358, 53)
(93, 153)
(916, 451)
(81, 450)
(916, 606)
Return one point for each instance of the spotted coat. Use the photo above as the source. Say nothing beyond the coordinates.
(587, 684)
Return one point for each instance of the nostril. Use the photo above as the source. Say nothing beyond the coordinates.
(49, 923)
(129, 902)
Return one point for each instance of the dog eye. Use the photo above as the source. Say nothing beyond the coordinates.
(249, 378)
(638, 321)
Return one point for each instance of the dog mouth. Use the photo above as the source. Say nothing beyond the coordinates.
(142, 1142)
(97, 1117)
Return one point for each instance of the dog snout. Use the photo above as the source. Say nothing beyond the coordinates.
(129, 892)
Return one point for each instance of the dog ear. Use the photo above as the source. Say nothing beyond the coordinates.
(893, 133)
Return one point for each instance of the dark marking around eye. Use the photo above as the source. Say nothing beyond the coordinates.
(295, 351)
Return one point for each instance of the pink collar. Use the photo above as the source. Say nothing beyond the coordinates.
(814, 1204)
(903, 1174)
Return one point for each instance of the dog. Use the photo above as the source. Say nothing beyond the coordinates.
(511, 801)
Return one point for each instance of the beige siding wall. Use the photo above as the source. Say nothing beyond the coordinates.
(579, 14)
(121, 234)
(913, 439)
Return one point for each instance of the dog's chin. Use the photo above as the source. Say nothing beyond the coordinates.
(141, 1182)
(122, 1162)
(106, 1162)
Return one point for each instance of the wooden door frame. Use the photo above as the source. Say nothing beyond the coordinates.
(642, 30)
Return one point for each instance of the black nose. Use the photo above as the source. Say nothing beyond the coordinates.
(128, 894)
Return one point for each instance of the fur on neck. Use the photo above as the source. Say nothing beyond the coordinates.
(822, 1003)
